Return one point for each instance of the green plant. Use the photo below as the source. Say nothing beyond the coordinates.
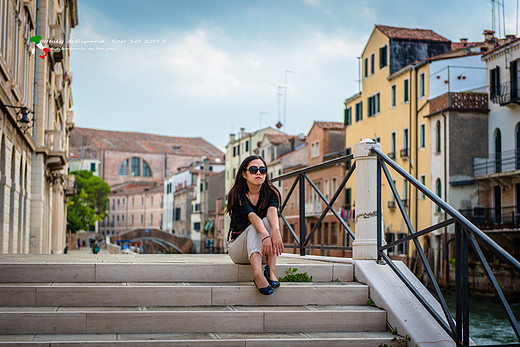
(401, 341)
(292, 276)
(336, 280)
(370, 302)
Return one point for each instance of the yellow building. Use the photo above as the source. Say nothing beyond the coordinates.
(402, 70)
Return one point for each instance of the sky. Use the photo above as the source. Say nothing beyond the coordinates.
(206, 68)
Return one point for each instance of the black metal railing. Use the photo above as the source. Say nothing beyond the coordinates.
(302, 241)
(497, 162)
(494, 217)
(505, 93)
(466, 234)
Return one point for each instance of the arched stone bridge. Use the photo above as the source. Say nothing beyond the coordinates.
(161, 239)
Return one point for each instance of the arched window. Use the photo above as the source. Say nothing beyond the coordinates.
(123, 170)
(498, 150)
(438, 137)
(438, 190)
(136, 169)
(146, 170)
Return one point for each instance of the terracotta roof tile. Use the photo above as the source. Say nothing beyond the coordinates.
(142, 142)
(411, 34)
(330, 125)
(277, 139)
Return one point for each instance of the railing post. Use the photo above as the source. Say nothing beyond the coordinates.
(364, 246)
(302, 215)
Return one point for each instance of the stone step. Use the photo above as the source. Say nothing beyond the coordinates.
(203, 319)
(310, 339)
(179, 294)
(125, 271)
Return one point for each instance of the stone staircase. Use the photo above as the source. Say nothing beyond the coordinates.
(180, 300)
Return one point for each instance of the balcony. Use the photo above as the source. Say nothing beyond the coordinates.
(505, 94)
(405, 153)
(506, 161)
(494, 218)
(56, 43)
(55, 143)
(313, 209)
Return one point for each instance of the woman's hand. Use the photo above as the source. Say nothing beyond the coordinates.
(267, 246)
(277, 243)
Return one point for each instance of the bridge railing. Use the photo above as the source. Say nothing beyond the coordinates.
(302, 240)
(466, 235)
(370, 164)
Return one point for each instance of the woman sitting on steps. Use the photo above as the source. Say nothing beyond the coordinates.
(254, 230)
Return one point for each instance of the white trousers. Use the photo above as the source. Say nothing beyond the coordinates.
(247, 243)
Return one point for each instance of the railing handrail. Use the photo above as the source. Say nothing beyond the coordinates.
(331, 162)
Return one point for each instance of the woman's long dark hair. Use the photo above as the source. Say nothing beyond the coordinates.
(239, 189)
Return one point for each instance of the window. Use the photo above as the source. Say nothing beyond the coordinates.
(405, 139)
(372, 63)
(132, 219)
(366, 67)
(146, 170)
(142, 219)
(132, 202)
(326, 189)
(348, 116)
(494, 82)
(421, 85)
(422, 178)
(151, 200)
(3, 28)
(93, 167)
(238, 149)
(392, 145)
(393, 95)
(403, 247)
(177, 213)
(422, 136)
(389, 238)
(315, 149)
(196, 226)
(136, 166)
(234, 151)
(359, 111)
(406, 91)
(373, 105)
(405, 192)
(123, 169)
(334, 184)
(247, 146)
(383, 56)
(348, 151)
(142, 201)
(514, 79)
(151, 218)
(348, 198)
(438, 136)
(438, 190)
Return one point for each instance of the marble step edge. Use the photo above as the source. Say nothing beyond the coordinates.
(214, 339)
(159, 272)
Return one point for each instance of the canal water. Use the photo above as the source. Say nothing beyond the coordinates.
(488, 323)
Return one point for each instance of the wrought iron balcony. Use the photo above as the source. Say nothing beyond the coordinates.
(497, 162)
(493, 218)
(504, 94)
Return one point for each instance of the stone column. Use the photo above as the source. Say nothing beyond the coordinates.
(365, 244)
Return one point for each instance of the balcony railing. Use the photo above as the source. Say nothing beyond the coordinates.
(494, 218)
(505, 94)
(405, 153)
(497, 162)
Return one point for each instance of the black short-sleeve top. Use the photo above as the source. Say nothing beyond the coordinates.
(241, 211)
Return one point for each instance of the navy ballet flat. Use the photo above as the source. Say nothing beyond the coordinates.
(267, 274)
(264, 291)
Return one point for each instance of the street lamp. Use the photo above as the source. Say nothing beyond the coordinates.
(24, 122)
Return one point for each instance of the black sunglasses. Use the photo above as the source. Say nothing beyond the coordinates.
(254, 169)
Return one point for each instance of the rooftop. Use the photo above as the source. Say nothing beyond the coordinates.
(411, 34)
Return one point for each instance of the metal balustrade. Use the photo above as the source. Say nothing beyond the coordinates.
(497, 162)
(466, 235)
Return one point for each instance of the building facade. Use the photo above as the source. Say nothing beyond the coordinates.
(36, 119)
(395, 108)
(325, 141)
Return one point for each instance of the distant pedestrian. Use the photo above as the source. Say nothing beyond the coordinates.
(254, 230)
(95, 248)
(79, 244)
(84, 243)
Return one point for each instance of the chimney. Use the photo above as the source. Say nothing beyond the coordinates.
(242, 133)
(510, 38)
(231, 138)
(488, 35)
(464, 41)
